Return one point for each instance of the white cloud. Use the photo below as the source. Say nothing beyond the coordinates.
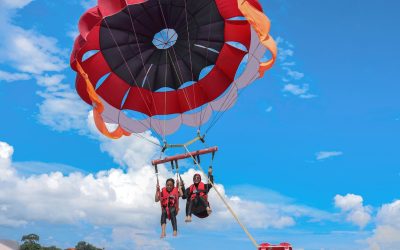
(12, 77)
(61, 109)
(51, 83)
(117, 198)
(33, 53)
(36, 168)
(389, 214)
(387, 232)
(108, 197)
(287, 64)
(14, 4)
(297, 90)
(88, 3)
(6, 152)
(25, 50)
(73, 33)
(127, 151)
(285, 49)
(327, 154)
(307, 96)
(285, 54)
(293, 74)
(352, 206)
(269, 109)
(121, 200)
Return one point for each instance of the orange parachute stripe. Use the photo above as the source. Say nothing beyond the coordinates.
(261, 24)
(98, 108)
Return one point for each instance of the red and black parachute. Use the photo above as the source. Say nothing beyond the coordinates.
(147, 57)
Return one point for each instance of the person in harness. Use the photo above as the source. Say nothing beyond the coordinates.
(169, 199)
(197, 197)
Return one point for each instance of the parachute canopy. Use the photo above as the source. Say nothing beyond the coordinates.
(175, 62)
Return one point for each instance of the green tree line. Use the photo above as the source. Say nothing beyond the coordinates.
(31, 242)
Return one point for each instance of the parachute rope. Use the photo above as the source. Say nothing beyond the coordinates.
(98, 109)
(129, 70)
(207, 51)
(224, 201)
(189, 46)
(176, 59)
(229, 101)
(165, 93)
(261, 24)
(141, 57)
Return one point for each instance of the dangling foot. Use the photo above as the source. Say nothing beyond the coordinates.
(188, 219)
(163, 226)
(209, 211)
(175, 233)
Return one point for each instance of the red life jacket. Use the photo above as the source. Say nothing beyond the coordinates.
(200, 190)
(170, 200)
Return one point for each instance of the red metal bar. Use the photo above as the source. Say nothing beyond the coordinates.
(184, 156)
(282, 246)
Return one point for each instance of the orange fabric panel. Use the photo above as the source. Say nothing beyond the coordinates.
(261, 24)
(98, 108)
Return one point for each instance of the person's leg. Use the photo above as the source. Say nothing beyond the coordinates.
(163, 222)
(189, 204)
(173, 220)
(205, 204)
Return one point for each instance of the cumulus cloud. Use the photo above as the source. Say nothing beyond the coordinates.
(27, 50)
(327, 154)
(6, 152)
(386, 235)
(37, 56)
(122, 200)
(61, 108)
(352, 206)
(116, 198)
(30, 52)
(127, 151)
(12, 77)
(107, 197)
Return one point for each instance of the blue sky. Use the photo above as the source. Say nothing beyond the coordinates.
(308, 155)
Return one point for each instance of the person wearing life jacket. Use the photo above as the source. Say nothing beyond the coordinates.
(169, 199)
(196, 196)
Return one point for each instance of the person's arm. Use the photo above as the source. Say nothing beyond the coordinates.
(211, 178)
(180, 189)
(209, 185)
(185, 193)
(157, 196)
